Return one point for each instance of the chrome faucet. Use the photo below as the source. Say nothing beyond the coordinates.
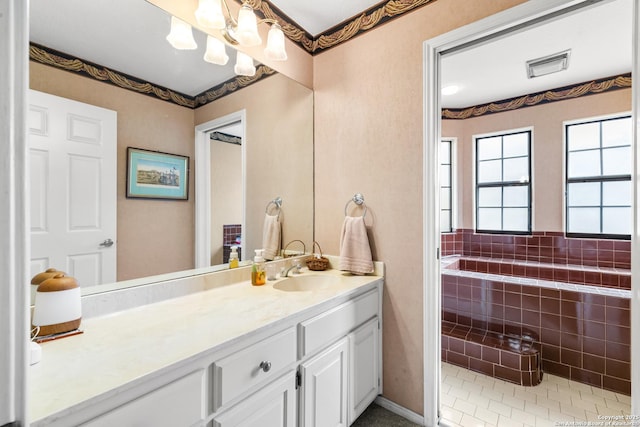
(295, 267)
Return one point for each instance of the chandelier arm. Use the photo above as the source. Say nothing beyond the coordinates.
(229, 15)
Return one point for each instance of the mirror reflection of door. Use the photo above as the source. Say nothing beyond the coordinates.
(72, 148)
(226, 191)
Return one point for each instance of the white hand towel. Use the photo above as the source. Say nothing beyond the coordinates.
(271, 236)
(355, 252)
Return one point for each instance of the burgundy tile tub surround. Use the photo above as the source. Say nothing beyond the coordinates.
(583, 331)
(542, 246)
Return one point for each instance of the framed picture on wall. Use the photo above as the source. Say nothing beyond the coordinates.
(156, 175)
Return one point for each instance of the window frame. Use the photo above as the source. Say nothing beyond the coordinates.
(504, 184)
(592, 179)
(452, 171)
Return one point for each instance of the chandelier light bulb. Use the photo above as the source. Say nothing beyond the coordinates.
(209, 14)
(247, 31)
(216, 52)
(244, 65)
(275, 44)
(181, 35)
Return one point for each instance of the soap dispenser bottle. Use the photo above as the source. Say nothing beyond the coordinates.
(258, 274)
(233, 257)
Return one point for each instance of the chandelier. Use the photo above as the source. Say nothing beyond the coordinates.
(243, 31)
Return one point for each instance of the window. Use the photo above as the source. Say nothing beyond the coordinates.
(503, 189)
(446, 186)
(598, 172)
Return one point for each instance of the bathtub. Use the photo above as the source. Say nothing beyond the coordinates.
(515, 320)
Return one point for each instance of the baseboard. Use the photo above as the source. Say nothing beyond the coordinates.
(400, 410)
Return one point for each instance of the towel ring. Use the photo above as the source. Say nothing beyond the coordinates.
(358, 199)
(277, 202)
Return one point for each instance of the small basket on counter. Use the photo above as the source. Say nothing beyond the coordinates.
(317, 262)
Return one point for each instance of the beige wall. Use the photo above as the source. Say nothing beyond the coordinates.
(368, 136)
(548, 155)
(146, 228)
(279, 154)
(226, 192)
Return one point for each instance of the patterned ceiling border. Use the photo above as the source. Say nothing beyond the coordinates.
(568, 92)
(366, 21)
(51, 57)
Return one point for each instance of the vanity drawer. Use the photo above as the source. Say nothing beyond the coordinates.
(260, 362)
(320, 331)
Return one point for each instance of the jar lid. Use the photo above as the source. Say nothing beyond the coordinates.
(59, 282)
(47, 274)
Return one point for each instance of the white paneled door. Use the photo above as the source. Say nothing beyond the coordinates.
(72, 149)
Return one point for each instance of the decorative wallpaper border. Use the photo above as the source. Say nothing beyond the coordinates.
(366, 21)
(53, 58)
(539, 98)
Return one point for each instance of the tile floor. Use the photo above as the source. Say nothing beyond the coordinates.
(471, 399)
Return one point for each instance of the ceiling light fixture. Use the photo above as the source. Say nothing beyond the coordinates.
(243, 31)
(181, 35)
(548, 64)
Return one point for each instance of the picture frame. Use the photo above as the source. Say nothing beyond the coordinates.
(157, 175)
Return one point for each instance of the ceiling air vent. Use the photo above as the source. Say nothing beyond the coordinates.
(548, 64)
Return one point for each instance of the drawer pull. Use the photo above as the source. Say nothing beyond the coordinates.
(265, 366)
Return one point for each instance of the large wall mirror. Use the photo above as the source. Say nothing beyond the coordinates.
(157, 237)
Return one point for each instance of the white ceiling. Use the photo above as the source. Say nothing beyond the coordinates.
(129, 36)
(599, 38)
(316, 17)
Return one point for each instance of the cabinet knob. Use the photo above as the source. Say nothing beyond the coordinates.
(265, 366)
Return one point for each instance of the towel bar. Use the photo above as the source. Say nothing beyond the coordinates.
(358, 199)
(277, 201)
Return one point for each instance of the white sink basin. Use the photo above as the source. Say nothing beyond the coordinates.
(306, 283)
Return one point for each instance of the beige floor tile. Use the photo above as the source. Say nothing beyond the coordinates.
(489, 417)
(466, 375)
(447, 399)
(560, 397)
(577, 413)
(590, 397)
(472, 387)
(523, 417)
(559, 416)
(513, 402)
(623, 398)
(580, 386)
(464, 406)
(470, 421)
(453, 381)
(492, 394)
(508, 422)
(500, 408)
(485, 381)
(479, 400)
(534, 409)
(526, 396)
(591, 416)
(504, 388)
(459, 393)
(607, 394)
(550, 404)
(617, 405)
(450, 414)
(605, 410)
(584, 404)
(545, 422)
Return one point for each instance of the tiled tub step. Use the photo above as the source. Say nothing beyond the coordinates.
(511, 359)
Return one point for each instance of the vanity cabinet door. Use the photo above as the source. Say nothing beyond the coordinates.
(179, 403)
(324, 387)
(364, 367)
(272, 406)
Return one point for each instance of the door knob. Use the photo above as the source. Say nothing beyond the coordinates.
(107, 243)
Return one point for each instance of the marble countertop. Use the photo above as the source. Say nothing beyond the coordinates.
(121, 347)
